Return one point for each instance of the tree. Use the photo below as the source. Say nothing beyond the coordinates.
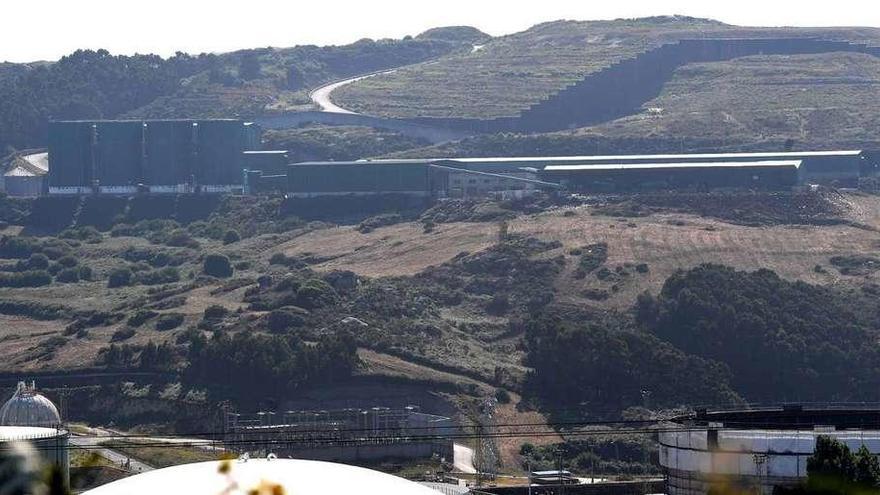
(120, 277)
(231, 236)
(217, 265)
(249, 65)
(834, 469)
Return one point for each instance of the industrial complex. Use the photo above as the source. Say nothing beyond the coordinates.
(224, 156)
(344, 435)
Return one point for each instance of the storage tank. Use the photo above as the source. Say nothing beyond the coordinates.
(51, 444)
(756, 450)
(262, 476)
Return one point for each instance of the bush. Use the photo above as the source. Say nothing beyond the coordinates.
(169, 321)
(231, 236)
(181, 238)
(502, 396)
(165, 275)
(68, 261)
(499, 305)
(217, 265)
(38, 261)
(215, 311)
(85, 273)
(30, 278)
(140, 317)
(279, 320)
(122, 334)
(120, 277)
(315, 293)
(68, 275)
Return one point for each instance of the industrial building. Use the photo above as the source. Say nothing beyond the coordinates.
(505, 176)
(268, 475)
(756, 450)
(156, 156)
(344, 435)
(410, 177)
(25, 174)
(31, 417)
(701, 176)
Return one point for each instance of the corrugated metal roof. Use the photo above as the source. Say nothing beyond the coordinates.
(20, 172)
(638, 166)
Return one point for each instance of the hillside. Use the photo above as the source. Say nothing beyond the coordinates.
(816, 100)
(97, 84)
(442, 307)
(509, 73)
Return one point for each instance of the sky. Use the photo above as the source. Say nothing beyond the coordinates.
(48, 29)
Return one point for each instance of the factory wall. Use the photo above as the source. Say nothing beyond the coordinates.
(170, 156)
(358, 178)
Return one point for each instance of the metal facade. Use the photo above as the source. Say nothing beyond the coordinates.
(358, 178)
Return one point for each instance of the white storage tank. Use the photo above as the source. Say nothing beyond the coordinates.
(756, 449)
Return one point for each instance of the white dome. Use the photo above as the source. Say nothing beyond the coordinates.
(295, 476)
(28, 408)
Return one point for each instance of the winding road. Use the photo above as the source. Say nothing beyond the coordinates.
(321, 95)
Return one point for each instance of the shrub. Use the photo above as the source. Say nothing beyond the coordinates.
(166, 275)
(169, 321)
(502, 396)
(85, 273)
(120, 277)
(68, 275)
(231, 236)
(68, 261)
(280, 320)
(181, 238)
(140, 317)
(315, 293)
(217, 265)
(30, 278)
(38, 261)
(215, 312)
(373, 223)
(122, 334)
(17, 247)
(499, 305)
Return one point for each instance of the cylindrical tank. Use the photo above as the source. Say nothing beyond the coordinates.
(51, 444)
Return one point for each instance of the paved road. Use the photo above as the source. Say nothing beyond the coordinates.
(321, 95)
(463, 459)
(113, 456)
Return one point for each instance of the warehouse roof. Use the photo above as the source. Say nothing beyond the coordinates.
(262, 476)
(693, 156)
(365, 162)
(643, 166)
